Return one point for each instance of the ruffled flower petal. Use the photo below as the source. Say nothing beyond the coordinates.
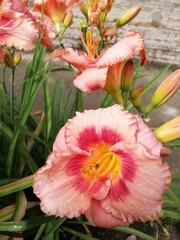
(90, 127)
(98, 216)
(143, 198)
(91, 79)
(57, 190)
(131, 44)
(22, 36)
(78, 59)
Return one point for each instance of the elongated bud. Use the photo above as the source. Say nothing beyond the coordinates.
(165, 91)
(169, 131)
(127, 76)
(135, 97)
(17, 59)
(83, 9)
(128, 16)
(67, 20)
(8, 59)
(136, 92)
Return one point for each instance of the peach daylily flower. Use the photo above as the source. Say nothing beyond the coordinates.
(104, 72)
(54, 9)
(105, 164)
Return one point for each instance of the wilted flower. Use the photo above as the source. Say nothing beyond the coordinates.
(103, 72)
(105, 164)
(165, 91)
(110, 31)
(99, 7)
(169, 131)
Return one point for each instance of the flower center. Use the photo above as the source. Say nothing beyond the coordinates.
(91, 44)
(102, 164)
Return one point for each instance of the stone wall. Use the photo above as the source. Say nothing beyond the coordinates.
(158, 21)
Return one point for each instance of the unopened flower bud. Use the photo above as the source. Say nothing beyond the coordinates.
(67, 20)
(8, 59)
(169, 131)
(127, 76)
(165, 152)
(165, 91)
(81, 25)
(90, 3)
(83, 9)
(135, 97)
(136, 92)
(17, 59)
(128, 16)
(103, 16)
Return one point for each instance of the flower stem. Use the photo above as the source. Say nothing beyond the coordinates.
(16, 186)
(12, 93)
(118, 98)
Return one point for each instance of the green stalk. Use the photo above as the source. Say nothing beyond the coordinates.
(16, 186)
(3, 78)
(12, 92)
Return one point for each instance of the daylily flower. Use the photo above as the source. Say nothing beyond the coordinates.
(105, 164)
(165, 91)
(169, 131)
(55, 9)
(19, 28)
(16, 30)
(104, 72)
(99, 7)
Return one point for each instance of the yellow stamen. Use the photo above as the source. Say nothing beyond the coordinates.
(103, 163)
(91, 44)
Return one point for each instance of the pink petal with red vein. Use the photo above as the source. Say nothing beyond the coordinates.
(131, 44)
(57, 189)
(145, 191)
(113, 118)
(91, 79)
(78, 59)
(98, 216)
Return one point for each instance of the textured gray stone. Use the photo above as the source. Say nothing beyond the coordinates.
(158, 21)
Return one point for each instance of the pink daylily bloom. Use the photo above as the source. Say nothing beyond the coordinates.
(105, 164)
(104, 72)
(18, 27)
